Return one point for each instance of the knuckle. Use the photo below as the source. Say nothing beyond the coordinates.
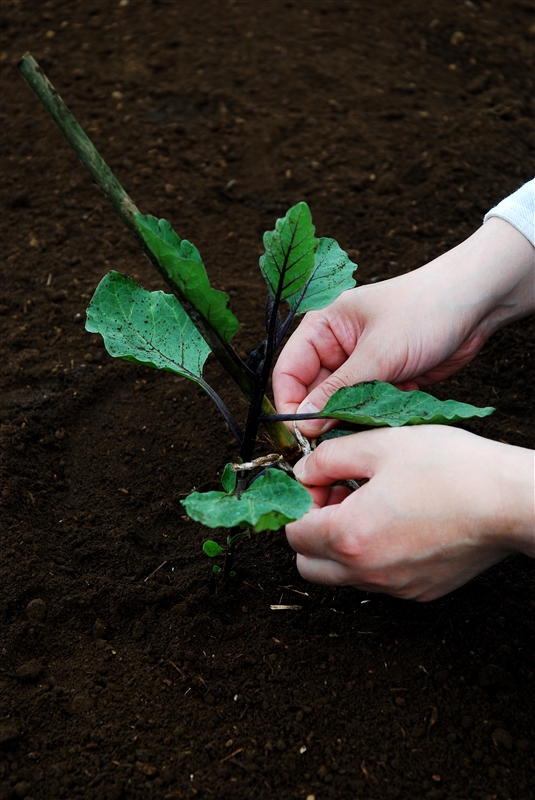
(338, 380)
(323, 456)
(346, 549)
(347, 544)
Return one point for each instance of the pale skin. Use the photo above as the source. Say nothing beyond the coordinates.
(441, 504)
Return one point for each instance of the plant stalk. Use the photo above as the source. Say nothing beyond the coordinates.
(126, 210)
(229, 560)
(254, 416)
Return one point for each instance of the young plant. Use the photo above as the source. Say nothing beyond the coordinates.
(176, 332)
(301, 272)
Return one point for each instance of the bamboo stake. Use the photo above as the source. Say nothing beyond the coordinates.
(126, 209)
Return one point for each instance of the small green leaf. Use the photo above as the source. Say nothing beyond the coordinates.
(378, 404)
(288, 261)
(332, 274)
(148, 328)
(273, 500)
(308, 273)
(183, 264)
(212, 549)
(216, 570)
(229, 478)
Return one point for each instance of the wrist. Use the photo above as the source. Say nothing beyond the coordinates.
(488, 280)
(514, 513)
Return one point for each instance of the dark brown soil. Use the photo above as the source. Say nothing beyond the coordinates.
(121, 675)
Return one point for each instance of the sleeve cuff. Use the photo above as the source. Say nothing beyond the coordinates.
(519, 210)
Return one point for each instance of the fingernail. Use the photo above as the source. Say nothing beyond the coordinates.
(314, 426)
(300, 469)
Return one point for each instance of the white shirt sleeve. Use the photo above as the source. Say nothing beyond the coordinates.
(519, 210)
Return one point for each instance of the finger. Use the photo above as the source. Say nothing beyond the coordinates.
(407, 386)
(321, 570)
(290, 391)
(349, 457)
(310, 355)
(360, 366)
(320, 495)
(328, 495)
(327, 533)
(316, 399)
(331, 573)
(337, 494)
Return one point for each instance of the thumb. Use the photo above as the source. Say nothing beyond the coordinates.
(350, 457)
(318, 397)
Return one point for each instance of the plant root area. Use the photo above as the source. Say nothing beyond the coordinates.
(122, 674)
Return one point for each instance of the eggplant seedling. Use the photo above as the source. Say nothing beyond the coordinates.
(176, 332)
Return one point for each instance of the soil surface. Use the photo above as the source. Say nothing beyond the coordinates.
(122, 676)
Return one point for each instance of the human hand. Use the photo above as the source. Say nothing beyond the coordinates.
(440, 506)
(413, 330)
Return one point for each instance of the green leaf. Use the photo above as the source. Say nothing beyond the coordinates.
(229, 478)
(378, 404)
(212, 549)
(288, 261)
(332, 274)
(183, 264)
(146, 327)
(272, 500)
(308, 273)
(216, 570)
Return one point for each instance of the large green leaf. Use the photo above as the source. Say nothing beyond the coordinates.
(308, 273)
(183, 264)
(145, 327)
(273, 500)
(379, 404)
(332, 274)
(288, 261)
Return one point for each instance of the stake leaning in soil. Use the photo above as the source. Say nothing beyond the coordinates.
(126, 210)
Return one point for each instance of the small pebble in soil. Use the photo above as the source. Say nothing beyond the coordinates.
(22, 789)
(99, 629)
(502, 737)
(81, 703)
(29, 671)
(147, 769)
(9, 735)
(138, 631)
(36, 610)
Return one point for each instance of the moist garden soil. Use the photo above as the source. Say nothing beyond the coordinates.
(122, 675)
